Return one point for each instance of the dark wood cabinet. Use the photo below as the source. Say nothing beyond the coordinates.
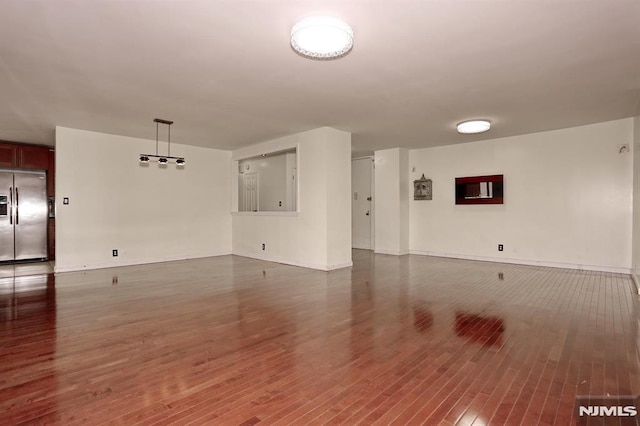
(33, 157)
(7, 155)
(19, 156)
(52, 239)
(51, 173)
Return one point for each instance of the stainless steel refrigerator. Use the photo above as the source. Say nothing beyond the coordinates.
(23, 215)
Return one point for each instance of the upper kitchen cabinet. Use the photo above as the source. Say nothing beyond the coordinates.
(7, 155)
(34, 157)
(24, 156)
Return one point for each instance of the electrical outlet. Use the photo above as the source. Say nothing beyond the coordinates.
(500, 247)
(264, 246)
(114, 252)
(279, 203)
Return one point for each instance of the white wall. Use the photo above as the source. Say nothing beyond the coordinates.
(568, 199)
(338, 198)
(636, 196)
(149, 214)
(391, 201)
(404, 200)
(319, 234)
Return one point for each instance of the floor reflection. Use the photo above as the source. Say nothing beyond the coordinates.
(422, 317)
(28, 334)
(475, 328)
(22, 297)
(10, 270)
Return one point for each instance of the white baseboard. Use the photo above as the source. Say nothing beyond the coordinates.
(599, 268)
(335, 266)
(636, 279)
(392, 252)
(60, 269)
(635, 275)
(275, 259)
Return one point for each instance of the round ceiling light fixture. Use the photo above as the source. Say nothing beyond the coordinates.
(322, 37)
(474, 126)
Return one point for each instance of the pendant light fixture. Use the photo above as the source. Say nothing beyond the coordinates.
(162, 159)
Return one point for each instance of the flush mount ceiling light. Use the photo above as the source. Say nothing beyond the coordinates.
(474, 126)
(322, 37)
(162, 159)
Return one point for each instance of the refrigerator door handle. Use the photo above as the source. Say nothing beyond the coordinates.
(17, 207)
(10, 205)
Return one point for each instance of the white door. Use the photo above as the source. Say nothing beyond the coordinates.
(250, 192)
(362, 203)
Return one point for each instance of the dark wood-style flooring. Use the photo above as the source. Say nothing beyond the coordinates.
(394, 340)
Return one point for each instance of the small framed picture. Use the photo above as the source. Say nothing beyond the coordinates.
(422, 189)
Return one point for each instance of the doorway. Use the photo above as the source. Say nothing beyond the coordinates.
(362, 205)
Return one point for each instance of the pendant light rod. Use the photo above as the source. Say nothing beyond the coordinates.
(160, 120)
(162, 159)
(168, 123)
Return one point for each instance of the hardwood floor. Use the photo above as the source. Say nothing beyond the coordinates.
(8, 270)
(394, 340)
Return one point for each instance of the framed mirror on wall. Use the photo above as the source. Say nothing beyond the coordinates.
(268, 183)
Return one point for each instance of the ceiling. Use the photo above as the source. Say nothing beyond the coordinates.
(224, 72)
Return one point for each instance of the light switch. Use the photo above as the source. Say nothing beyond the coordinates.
(65, 200)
